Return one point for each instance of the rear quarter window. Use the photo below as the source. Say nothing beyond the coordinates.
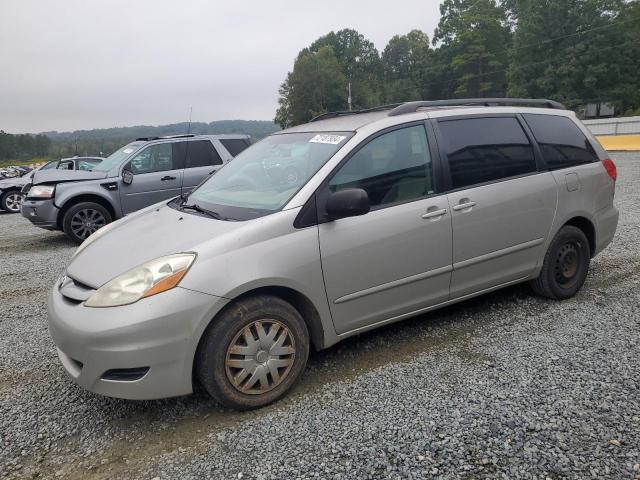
(486, 149)
(562, 143)
(235, 145)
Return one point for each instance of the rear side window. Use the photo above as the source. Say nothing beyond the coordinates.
(235, 145)
(202, 154)
(482, 150)
(65, 165)
(87, 163)
(562, 143)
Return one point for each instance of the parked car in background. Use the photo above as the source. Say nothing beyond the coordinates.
(394, 212)
(73, 163)
(13, 171)
(11, 194)
(139, 174)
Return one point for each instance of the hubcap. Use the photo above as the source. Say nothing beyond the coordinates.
(567, 263)
(260, 357)
(13, 202)
(87, 221)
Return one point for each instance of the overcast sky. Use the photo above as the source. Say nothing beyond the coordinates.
(80, 64)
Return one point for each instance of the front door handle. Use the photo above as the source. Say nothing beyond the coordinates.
(464, 206)
(435, 213)
(167, 177)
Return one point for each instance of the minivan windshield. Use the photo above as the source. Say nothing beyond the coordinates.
(263, 178)
(117, 157)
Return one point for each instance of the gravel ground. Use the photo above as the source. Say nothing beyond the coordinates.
(503, 386)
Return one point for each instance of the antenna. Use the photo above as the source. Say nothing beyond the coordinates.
(189, 126)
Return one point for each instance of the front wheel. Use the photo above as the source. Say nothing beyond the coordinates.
(11, 201)
(565, 266)
(83, 219)
(253, 352)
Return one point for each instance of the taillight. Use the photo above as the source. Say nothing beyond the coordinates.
(610, 167)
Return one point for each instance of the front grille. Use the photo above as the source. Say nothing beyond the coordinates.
(125, 374)
(74, 291)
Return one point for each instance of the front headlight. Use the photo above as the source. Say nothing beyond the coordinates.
(148, 279)
(42, 192)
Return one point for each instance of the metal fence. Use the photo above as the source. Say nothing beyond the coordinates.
(614, 126)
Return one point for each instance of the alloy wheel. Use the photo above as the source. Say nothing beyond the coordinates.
(13, 202)
(87, 221)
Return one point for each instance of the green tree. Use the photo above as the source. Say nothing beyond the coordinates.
(407, 67)
(315, 85)
(359, 62)
(576, 51)
(474, 39)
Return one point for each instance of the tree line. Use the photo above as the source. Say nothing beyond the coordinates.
(23, 146)
(104, 141)
(573, 51)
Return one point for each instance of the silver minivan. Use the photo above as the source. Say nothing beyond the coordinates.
(392, 212)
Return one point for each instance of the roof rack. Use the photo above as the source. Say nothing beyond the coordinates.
(410, 107)
(324, 116)
(148, 139)
(186, 135)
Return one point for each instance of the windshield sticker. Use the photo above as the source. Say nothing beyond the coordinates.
(330, 139)
(128, 150)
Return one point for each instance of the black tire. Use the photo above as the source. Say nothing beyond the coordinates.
(96, 217)
(8, 201)
(213, 371)
(565, 266)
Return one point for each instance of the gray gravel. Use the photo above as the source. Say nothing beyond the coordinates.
(504, 386)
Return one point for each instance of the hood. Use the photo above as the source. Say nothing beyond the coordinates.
(15, 181)
(143, 236)
(57, 176)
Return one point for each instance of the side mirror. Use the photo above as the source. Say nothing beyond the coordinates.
(127, 177)
(350, 202)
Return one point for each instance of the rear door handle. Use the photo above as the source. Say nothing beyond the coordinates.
(167, 177)
(435, 214)
(464, 206)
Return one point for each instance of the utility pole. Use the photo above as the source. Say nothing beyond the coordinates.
(349, 97)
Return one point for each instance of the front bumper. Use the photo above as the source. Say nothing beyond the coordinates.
(42, 213)
(160, 333)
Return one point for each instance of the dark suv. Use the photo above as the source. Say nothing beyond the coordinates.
(143, 172)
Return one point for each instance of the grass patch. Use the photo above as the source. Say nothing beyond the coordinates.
(27, 162)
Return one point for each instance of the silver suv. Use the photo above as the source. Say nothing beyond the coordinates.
(393, 213)
(137, 175)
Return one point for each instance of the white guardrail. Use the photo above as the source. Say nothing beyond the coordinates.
(614, 126)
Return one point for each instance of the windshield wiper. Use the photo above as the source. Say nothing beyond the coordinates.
(199, 209)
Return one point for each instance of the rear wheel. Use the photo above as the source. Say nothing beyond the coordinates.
(83, 219)
(11, 201)
(565, 266)
(253, 353)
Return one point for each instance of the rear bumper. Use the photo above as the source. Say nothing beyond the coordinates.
(607, 220)
(42, 213)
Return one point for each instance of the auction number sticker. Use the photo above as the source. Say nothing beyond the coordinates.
(325, 138)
